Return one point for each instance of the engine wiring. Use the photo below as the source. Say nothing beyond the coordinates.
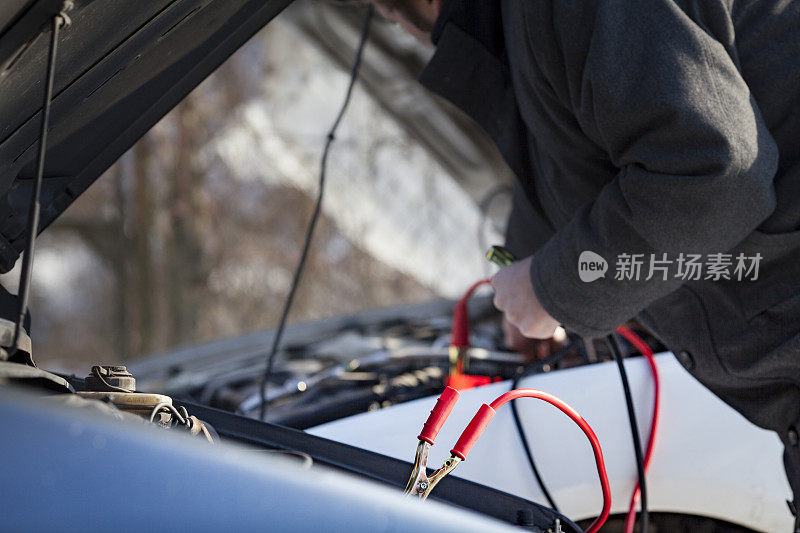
(278, 335)
(181, 418)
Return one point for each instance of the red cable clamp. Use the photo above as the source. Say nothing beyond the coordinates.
(439, 413)
(473, 431)
(421, 484)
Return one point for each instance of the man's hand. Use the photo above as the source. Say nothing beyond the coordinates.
(532, 349)
(513, 294)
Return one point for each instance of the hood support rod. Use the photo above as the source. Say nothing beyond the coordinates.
(59, 19)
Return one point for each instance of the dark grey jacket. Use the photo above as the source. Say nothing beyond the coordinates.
(650, 127)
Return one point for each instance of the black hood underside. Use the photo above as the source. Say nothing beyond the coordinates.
(121, 66)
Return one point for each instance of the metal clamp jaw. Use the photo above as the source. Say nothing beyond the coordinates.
(421, 484)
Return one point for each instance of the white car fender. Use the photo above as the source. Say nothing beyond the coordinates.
(708, 460)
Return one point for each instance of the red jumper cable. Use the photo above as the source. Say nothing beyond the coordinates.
(639, 344)
(421, 484)
(459, 344)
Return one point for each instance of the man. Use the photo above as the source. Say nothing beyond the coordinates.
(660, 136)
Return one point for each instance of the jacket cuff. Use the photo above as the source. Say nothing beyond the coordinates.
(564, 300)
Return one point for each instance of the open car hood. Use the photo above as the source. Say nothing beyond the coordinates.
(121, 66)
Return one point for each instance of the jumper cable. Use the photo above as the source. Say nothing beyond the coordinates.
(421, 484)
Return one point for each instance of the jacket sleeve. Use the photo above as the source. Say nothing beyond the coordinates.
(696, 162)
(526, 230)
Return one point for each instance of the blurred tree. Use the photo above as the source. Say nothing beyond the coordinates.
(142, 297)
(185, 259)
(179, 249)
